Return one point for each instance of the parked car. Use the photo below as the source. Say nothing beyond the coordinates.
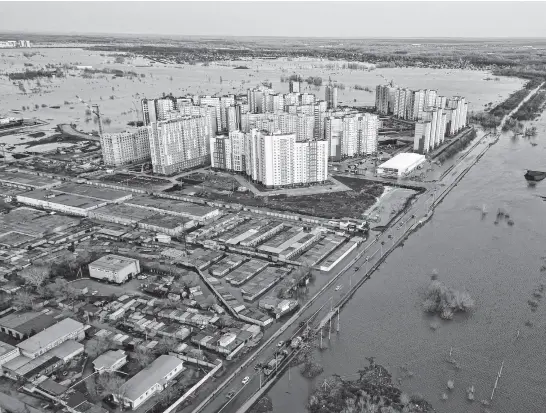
(230, 394)
(280, 344)
(246, 380)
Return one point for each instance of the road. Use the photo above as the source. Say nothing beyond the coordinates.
(372, 253)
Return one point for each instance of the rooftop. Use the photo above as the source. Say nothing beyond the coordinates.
(97, 192)
(5, 348)
(27, 322)
(146, 378)
(108, 359)
(402, 161)
(165, 221)
(29, 180)
(49, 335)
(112, 262)
(125, 211)
(172, 207)
(70, 200)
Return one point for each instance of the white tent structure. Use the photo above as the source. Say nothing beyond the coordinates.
(401, 164)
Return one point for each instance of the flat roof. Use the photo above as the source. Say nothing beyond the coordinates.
(93, 191)
(27, 179)
(165, 221)
(171, 206)
(14, 239)
(125, 211)
(34, 223)
(146, 378)
(403, 161)
(49, 335)
(61, 198)
(112, 262)
(5, 348)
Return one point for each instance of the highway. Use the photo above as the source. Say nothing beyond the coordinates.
(374, 250)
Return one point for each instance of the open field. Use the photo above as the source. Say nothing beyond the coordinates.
(330, 205)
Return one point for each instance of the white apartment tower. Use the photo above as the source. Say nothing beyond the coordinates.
(126, 147)
(294, 86)
(179, 144)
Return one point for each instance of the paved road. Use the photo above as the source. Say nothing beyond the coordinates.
(69, 130)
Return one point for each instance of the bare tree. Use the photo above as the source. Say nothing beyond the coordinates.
(142, 356)
(111, 383)
(165, 345)
(35, 275)
(23, 299)
(97, 346)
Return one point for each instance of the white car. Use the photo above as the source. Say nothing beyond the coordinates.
(338, 287)
(94, 292)
(246, 380)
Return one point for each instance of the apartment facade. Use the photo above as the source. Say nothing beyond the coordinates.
(179, 144)
(330, 96)
(125, 147)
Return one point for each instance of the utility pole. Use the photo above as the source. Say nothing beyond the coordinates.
(321, 338)
(330, 327)
(338, 320)
(497, 380)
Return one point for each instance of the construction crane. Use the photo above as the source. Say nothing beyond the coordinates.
(95, 110)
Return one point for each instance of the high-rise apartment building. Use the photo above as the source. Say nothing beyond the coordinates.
(126, 147)
(277, 160)
(294, 86)
(333, 132)
(179, 144)
(320, 113)
(430, 131)
(330, 96)
(301, 124)
(156, 109)
(403, 103)
(384, 99)
(352, 134)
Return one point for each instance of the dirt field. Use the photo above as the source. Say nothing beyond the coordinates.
(332, 205)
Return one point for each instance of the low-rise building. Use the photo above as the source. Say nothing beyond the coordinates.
(151, 380)
(40, 343)
(109, 361)
(61, 202)
(401, 164)
(114, 268)
(23, 324)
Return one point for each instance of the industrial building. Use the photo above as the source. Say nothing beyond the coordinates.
(151, 380)
(96, 192)
(167, 224)
(23, 180)
(114, 268)
(60, 202)
(401, 164)
(121, 214)
(23, 324)
(179, 208)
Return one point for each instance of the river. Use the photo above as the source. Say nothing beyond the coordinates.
(498, 264)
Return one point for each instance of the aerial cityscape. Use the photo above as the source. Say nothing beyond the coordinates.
(271, 222)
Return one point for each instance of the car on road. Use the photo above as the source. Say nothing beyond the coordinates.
(338, 287)
(230, 394)
(280, 344)
(142, 277)
(246, 380)
(95, 292)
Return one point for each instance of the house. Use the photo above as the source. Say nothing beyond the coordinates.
(114, 268)
(52, 337)
(111, 360)
(149, 381)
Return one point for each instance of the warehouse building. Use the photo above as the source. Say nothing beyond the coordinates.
(401, 164)
(60, 202)
(24, 180)
(114, 268)
(166, 224)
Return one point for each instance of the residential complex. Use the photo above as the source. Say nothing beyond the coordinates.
(435, 116)
(351, 134)
(330, 96)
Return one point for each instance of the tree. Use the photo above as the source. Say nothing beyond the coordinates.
(97, 346)
(111, 383)
(35, 275)
(92, 389)
(142, 356)
(164, 345)
(23, 299)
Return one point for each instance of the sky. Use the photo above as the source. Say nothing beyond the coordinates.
(287, 19)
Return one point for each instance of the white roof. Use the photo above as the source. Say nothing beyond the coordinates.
(403, 161)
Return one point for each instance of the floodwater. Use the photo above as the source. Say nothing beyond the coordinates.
(498, 264)
(221, 78)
